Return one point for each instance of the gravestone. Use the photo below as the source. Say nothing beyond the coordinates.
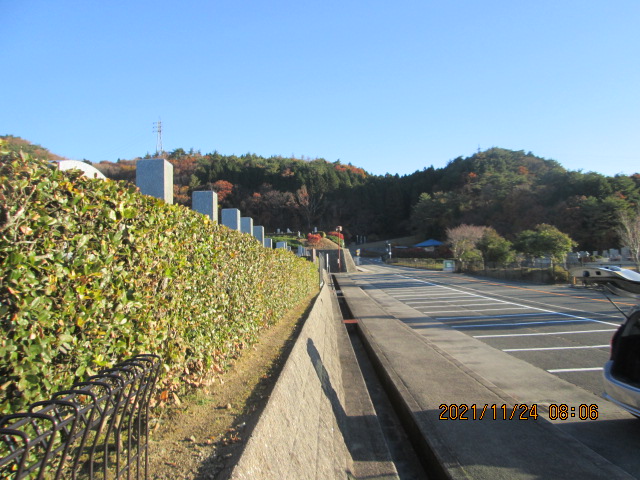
(258, 232)
(154, 177)
(268, 243)
(231, 218)
(206, 202)
(281, 245)
(246, 225)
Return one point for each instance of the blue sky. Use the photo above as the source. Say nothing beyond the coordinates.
(389, 86)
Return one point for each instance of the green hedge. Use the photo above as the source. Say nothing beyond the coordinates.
(92, 272)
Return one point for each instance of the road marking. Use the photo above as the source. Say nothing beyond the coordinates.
(552, 348)
(519, 304)
(528, 289)
(433, 295)
(426, 294)
(542, 333)
(458, 310)
(449, 303)
(563, 370)
(508, 315)
(515, 324)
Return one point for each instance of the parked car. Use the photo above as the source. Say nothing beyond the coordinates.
(622, 371)
(621, 374)
(620, 281)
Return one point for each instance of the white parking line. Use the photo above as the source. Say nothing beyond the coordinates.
(552, 348)
(508, 315)
(516, 304)
(543, 333)
(563, 370)
(420, 297)
(454, 311)
(456, 303)
(515, 324)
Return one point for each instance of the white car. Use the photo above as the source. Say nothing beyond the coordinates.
(622, 371)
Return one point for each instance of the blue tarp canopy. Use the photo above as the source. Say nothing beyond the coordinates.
(428, 243)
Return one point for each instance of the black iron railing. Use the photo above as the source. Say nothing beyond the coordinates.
(98, 429)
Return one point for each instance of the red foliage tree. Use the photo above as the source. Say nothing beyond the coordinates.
(223, 189)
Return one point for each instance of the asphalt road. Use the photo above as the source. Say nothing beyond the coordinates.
(562, 330)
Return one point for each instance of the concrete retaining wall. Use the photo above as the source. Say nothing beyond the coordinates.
(346, 259)
(313, 427)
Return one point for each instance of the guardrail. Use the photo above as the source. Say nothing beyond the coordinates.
(97, 429)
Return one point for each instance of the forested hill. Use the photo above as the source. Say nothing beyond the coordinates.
(508, 190)
(17, 144)
(512, 191)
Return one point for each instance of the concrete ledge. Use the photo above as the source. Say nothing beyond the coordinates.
(420, 378)
(346, 259)
(319, 422)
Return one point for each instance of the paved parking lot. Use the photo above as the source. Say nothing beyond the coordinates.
(563, 330)
(557, 337)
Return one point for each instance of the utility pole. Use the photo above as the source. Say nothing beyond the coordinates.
(339, 231)
(157, 127)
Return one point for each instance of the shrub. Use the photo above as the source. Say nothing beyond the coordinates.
(92, 272)
(560, 274)
(313, 240)
(336, 240)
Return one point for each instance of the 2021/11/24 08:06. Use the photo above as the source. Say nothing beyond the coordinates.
(463, 411)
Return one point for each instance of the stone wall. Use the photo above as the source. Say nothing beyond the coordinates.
(298, 435)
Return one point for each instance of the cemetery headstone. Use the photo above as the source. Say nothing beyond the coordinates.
(246, 225)
(154, 177)
(258, 232)
(231, 218)
(206, 202)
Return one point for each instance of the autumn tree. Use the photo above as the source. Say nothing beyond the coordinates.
(463, 240)
(629, 232)
(223, 189)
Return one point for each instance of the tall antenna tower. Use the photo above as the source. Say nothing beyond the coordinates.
(157, 127)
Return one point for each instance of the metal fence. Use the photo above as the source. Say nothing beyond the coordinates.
(98, 429)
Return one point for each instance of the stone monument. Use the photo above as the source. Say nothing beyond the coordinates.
(154, 177)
